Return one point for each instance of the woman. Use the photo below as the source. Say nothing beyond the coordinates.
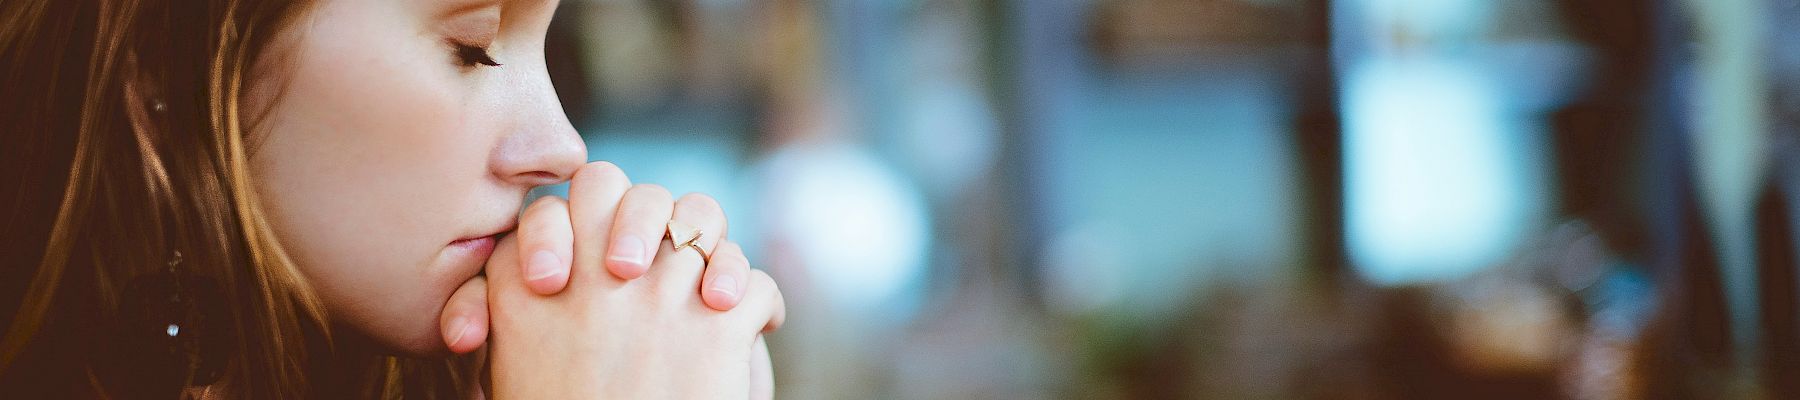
(296, 199)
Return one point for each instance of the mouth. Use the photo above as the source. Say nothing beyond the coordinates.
(469, 253)
(475, 244)
(489, 236)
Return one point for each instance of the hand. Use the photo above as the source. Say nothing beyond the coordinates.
(609, 211)
(642, 338)
(606, 211)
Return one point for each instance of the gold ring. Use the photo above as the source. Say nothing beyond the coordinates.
(684, 236)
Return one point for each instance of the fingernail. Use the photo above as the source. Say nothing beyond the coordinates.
(628, 249)
(725, 284)
(544, 264)
(460, 325)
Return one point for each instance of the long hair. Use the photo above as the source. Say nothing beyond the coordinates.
(123, 142)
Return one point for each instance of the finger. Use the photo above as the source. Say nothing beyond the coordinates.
(464, 321)
(545, 240)
(637, 230)
(726, 277)
(504, 279)
(700, 215)
(762, 371)
(764, 306)
(594, 196)
(502, 269)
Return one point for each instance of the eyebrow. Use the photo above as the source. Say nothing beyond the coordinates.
(455, 8)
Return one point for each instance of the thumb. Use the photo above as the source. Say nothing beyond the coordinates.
(465, 317)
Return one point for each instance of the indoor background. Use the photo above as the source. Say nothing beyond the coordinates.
(1231, 198)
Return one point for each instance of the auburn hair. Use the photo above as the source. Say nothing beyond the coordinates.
(123, 142)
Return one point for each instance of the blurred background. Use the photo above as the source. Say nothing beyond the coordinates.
(1122, 199)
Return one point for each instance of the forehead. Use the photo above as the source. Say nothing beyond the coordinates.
(517, 16)
(457, 6)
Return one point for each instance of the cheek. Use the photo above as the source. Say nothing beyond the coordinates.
(363, 181)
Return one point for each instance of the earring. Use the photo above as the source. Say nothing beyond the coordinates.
(158, 106)
(175, 325)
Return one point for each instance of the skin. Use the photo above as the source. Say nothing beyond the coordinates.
(649, 337)
(380, 149)
(392, 167)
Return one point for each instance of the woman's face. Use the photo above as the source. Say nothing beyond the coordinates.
(387, 152)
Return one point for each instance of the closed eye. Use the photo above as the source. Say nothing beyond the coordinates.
(471, 56)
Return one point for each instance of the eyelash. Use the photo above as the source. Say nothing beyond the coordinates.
(471, 56)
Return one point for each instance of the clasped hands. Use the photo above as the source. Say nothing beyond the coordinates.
(591, 298)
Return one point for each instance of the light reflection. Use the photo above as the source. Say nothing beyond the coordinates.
(859, 229)
(1434, 179)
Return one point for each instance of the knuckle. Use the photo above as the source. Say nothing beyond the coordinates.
(775, 298)
(777, 302)
(645, 202)
(771, 289)
(599, 170)
(699, 200)
(729, 248)
(700, 206)
(651, 190)
(545, 204)
(728, 263)
(734, 254)
(601, 175)
(762, 279)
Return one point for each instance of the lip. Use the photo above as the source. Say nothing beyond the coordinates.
(470, 253)
(503, 228)
(484, 244)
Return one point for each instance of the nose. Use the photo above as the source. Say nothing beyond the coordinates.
(541, 147)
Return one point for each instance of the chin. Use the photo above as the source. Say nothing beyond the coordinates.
(408, 333)
(411, 339)
(406, 320)
(425, 341)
